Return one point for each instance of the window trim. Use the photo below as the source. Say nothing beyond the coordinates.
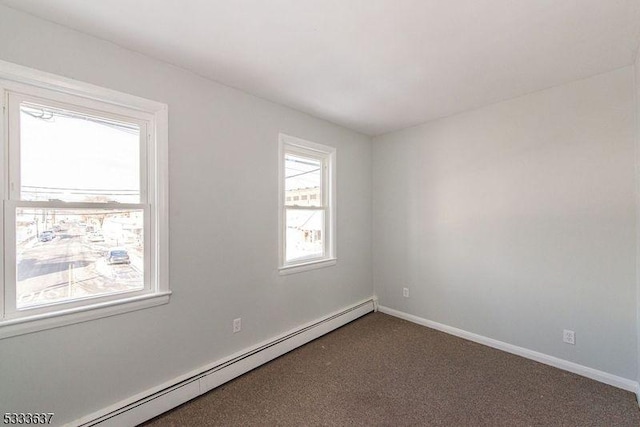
(303, 147)
(17, 78)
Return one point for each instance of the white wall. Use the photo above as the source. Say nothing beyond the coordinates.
(517, 220)
(637, 105)
(223, 152)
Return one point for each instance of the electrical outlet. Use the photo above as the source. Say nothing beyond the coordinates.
(569, 336)
(405, 292)
(237, 325)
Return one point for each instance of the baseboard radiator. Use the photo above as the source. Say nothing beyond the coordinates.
(153, 402)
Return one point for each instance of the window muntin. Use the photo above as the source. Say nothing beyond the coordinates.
(308, 202)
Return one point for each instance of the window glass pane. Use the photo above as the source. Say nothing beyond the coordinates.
(303, 178)
(75, 157)
(69, 254)
(304, 234)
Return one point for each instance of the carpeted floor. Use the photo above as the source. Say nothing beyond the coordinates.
(380, 370)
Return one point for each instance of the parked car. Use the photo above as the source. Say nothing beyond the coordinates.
(96, 237)
(47, 236)
(118, 256)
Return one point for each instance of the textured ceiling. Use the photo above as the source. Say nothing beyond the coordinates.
(370, 65)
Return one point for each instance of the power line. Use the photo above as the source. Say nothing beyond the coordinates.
(290, 159)
(303, 173)
(68, 188)
(49, 211)
(110, 193)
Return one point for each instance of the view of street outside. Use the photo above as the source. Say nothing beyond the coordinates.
(304, 227)
(304, 234)
(63, 253)
(80, 255)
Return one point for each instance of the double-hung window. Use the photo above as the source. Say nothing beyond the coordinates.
(84, 201)
(307, 204)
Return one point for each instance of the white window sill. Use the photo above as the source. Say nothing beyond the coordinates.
(313, 265)
(26, 325)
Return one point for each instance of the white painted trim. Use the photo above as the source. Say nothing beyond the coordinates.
(306, 145)
(161, 198)
(157, 400)
(69, 316)
(327, 154)
(32, 77)
(594, 374)
(298, 268)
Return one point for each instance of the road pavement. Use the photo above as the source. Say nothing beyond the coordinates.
(69, 267)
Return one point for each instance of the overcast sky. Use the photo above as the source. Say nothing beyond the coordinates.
(72, 153)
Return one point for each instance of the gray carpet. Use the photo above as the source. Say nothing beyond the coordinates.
(380, 370)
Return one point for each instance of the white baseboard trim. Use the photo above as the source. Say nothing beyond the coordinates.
(157, 400)
(594, 374)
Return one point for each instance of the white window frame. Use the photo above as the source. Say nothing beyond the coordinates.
(18, 83)
(327, 155)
